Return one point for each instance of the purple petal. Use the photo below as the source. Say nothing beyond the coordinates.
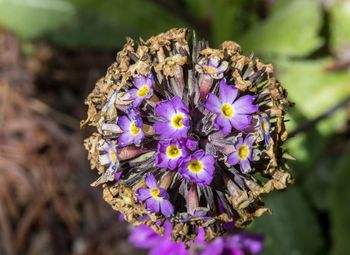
(227, 93)
(241, 122)
(140, 81)
(213, 103)
(245, 165)
(166, 207)
(124, 123)
(143, 194)
(172, 164)
(144, 237)
(233, 159)
(191, 144)
(164, 129)
(165, 109)
(178, 105)
(153, 204)
(150, 181)
(244, 105)
(125, 139)
(137, 101)
(216, 247)
(223, 124)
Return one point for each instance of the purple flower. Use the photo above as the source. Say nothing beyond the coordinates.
(239, 243)
(131, 126)
(213, 67)
(143, 89)
(169, 153)
(176, 119)
(155, 198)
(146, 238)
(232, 112)
(198, 167)
(109, 156)
(264, 128)
(243, 153)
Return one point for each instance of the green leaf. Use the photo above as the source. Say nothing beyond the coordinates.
(340, 24)
(292, 228)
(340, 208)
(33, 18)
(291, 30)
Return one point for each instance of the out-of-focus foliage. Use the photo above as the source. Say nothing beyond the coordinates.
(307, 41)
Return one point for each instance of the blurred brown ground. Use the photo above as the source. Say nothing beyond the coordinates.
(46, 203)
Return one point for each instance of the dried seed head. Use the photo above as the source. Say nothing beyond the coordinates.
(187, 134)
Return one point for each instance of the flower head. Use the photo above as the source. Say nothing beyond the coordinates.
(155, 198)
(243, 153)
(188, 122)
(131, 126)
(144, 89)
(170, 152)
(232, 112)
(175, 121)
(198, 168)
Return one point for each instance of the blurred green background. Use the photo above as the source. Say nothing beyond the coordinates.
(308, 41)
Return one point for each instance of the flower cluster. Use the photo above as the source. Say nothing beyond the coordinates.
(237, 243)
(187, 135)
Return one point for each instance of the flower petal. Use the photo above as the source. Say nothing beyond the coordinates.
(233, 159)
(124, 123)
(143, 194)
(166, 208)
(153, 204)
(244, 105)
(240, 121)
(223, 124)
(125, 139)
(165, 109)
(227, 93)
(213, 103)
(178, 105)
(150, 181)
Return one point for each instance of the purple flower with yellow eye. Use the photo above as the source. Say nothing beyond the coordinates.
(131, 126)
(155, 198)
(264, 128)
(176, 119)
(243, 153)
(109, 156)
(198, 168)
(170, 152)
(232, 111)
(212, 66)
(143, 89)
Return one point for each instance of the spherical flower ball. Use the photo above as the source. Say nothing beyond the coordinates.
(187, 134)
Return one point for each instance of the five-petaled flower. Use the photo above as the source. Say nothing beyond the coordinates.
(176, 119)
(198, 167)
(232, 112)
(212, 67)
(143, 89)
(131, 125)
(109, 156)
(243, 153)
(170, 152)
(155, 198)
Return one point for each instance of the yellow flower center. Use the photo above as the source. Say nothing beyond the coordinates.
(112, 156)
(243, 151)
(142, 91)
(209, 69)
(173, 151)
(227, 110)
(155, 193)
(177, 121)
(134, 130)
(265, 126)
(195, 166)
